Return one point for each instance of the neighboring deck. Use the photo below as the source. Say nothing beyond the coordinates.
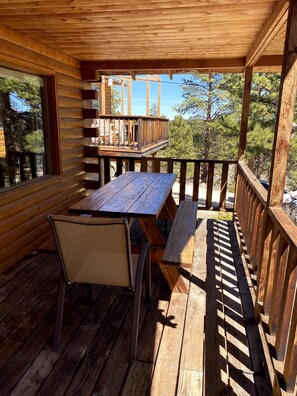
(180, 350)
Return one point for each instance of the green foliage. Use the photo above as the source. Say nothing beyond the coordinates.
(180, 139)
(263, 109)
(115, 101)
(213, 109)
(27, 89)
(154, 110)
(21, 110)
(292, 164)
(34, 142)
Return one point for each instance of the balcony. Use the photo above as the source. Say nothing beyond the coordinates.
(216, 342)
(123, 135)
(208, 331)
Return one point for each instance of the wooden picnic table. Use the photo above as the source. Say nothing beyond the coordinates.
(138, 195)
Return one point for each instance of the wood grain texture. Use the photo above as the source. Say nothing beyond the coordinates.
(180, 245)
(166, 31)
(285, 113)
(95, 334)
(24, 208)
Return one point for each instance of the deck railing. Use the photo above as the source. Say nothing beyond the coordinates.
(209, 182)
(133, 132)
(270, 237)
(20, 166)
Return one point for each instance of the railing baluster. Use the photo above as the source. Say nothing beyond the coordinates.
(196, 181)
(182, 180)
(224, 182)
(278, 285)
(287, 305)
(119, 166)
(210, 176)
(106, 170)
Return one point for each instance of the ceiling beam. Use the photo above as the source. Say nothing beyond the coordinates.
(271, 28)
(90, 68)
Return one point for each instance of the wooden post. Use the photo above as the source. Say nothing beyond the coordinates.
(248, 75)
(129, 96)
(285, 113)
(102, 96)
(148, 95)
(122, 97)
(159, 97)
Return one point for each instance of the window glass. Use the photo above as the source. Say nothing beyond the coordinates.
(22, 134)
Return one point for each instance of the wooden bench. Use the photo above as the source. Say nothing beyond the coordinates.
(179, 250)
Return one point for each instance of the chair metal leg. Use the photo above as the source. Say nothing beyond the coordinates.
(144, 259)
(59, 314)
(135, 323)
(148, 276)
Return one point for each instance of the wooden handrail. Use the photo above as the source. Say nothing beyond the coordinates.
(123, 131)
(270, 237)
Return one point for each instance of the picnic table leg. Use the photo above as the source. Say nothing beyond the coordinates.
(170, 207)
(155, 238)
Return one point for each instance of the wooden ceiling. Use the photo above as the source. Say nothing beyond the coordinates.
(154, 35)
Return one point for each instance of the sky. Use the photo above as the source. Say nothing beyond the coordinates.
(170, 95)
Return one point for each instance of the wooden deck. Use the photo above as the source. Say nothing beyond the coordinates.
(202, 343)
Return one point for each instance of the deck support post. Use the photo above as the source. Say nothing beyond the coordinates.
(285, 113)
(248, 75)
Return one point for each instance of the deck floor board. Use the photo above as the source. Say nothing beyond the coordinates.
(201, 343)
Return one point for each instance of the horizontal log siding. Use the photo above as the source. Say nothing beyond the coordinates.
(23, 211)
(270, 239)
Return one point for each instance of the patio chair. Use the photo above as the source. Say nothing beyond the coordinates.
(97, 250)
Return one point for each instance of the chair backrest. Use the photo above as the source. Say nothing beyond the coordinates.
(94, 250)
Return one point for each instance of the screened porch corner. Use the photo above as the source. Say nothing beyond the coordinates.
(204, 342)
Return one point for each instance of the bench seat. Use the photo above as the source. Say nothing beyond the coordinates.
(180, 245)
(179, 250)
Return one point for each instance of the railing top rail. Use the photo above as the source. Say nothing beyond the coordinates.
(165, 159)
(254, 183)
(131, 117)
(285, 225)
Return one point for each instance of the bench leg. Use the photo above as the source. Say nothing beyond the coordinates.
(176, 282)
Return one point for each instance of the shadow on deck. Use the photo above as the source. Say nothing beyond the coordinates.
(203, 343)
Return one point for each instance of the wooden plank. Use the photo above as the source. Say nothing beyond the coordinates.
(192, 357)
(224, 185)
(210, 176)
(138, 379)
(78, 357)
(162, 383)
(180, 245)
(20, 362)
(148, 340)
(196, 181)
(155, 195)
(170, 207)
(268, 32)
(256, 353)
(190, 382)
(215, 354)
(248, 75)
(176, 282)
(239, 364)
(290, 361)
(95, 200)
(278, 286)
(182, 180)
(285, 113)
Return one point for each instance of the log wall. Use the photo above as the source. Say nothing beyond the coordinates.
(24, 208)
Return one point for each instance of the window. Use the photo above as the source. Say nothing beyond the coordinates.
(25, 143)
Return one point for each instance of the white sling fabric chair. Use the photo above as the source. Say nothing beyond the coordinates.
(96, 250)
